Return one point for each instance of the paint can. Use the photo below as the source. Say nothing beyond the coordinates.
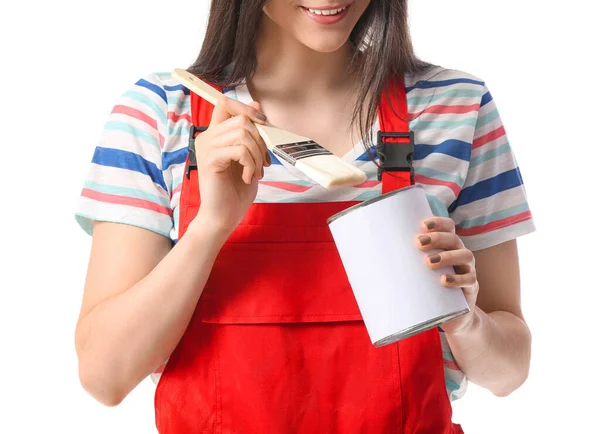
(397, 294)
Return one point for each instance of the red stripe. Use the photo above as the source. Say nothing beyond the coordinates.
(451, 364)
(178, 189)
(124, 200)
(176, 117)
(135, 113)
(432, 181)
(483, 140)
(447, 109)
(488, 227)
(296, 188)
(367, 184)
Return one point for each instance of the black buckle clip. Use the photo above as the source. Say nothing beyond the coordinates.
(399, 156)
(192, 149)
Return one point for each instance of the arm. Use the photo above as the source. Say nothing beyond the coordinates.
(140, 293)
(494, 351)
(492, 343)
(138, 299)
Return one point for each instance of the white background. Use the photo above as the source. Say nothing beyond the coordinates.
(65, 63)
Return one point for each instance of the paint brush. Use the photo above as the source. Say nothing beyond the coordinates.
(305, 154)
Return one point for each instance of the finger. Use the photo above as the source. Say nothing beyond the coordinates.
(220, 112)
(451, 258)
(437, 224)
(241, 136)
(242, 121)
(221, 158)
(257, 106)
(439, 240)
(235, 108)
(459, 280)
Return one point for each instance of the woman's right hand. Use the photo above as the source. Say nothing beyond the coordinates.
(230, 155)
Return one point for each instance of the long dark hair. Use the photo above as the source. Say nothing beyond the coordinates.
(384, 51)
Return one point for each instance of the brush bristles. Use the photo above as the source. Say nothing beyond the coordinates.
(331, 171)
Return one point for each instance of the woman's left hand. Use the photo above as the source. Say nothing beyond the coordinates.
(439, 233)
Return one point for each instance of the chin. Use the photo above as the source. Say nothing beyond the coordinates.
(324, 43)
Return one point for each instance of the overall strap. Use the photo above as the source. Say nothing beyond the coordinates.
(190, 191)
(395, 141)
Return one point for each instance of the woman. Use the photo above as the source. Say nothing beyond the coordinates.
(320, 70)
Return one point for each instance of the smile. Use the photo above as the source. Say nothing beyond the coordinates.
(329, 15)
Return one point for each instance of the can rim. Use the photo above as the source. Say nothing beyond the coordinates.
(371, 201)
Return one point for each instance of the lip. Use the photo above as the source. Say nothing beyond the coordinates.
(324, 8)
(327, 19)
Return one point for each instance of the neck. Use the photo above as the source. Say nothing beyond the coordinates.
(287, 69)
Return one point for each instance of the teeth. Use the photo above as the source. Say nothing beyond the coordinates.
(325, 11)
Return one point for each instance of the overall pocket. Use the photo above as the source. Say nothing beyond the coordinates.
(292, 352)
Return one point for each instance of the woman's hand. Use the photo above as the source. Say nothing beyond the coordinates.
(230, 156)
(438, 233)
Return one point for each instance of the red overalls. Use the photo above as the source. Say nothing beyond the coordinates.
(277, 343)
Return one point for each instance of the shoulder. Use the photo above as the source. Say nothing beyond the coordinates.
(445, 81)
(162, 86)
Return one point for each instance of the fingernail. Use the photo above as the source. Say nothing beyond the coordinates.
(268, 154)
(424, 240)
(434, 259)
(261, 116)
(430, 224)
(449, 279)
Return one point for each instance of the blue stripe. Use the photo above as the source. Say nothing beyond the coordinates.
(365, 156)
(175, 157)
(154, 88)
(432, 84)
(130, 161)
(178, 87)
(454, 148)
(487, 97)
(489, 187)
(274, 159)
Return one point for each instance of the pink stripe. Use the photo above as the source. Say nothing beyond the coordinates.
(432, 181)
(177, 190)
(296, 188)
(483, 140)
(134, 113)
(451, 364)
(494, 225)
(447, 109)
(124, 200)
(173, 117)
(367, 184)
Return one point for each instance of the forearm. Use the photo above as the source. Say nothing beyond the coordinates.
(494, 352)
(124, 338)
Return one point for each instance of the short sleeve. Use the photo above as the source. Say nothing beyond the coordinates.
(125, 182)
(492, 206)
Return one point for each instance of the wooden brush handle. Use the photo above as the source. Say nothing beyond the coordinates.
(196, 85)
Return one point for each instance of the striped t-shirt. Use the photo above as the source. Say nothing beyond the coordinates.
(462, 158)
